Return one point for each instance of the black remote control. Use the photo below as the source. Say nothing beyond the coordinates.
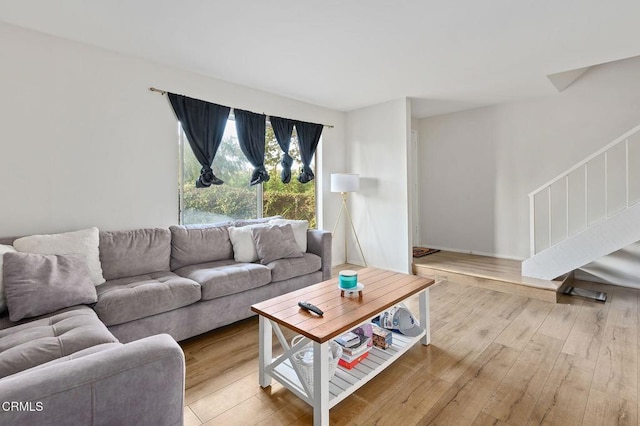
(310, 307)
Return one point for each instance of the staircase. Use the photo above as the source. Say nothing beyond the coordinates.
(587, 212)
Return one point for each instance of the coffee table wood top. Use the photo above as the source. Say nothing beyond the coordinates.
(382, 290)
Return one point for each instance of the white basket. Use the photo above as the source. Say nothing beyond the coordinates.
(305, 365)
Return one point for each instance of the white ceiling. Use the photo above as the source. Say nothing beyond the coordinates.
(446, 55)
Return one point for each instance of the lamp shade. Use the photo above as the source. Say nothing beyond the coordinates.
(345, 182)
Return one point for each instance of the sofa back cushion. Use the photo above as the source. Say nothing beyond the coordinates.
(136, 252)
(192, 245)
(244, 222)
(7, 241)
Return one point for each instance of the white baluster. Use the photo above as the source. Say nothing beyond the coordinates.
(586, 195)
(532, 221)
(626, 167)
(606, 184)
(567, 204)
(549, 215)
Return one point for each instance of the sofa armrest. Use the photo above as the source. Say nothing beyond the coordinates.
(319, 243)
(139, 383)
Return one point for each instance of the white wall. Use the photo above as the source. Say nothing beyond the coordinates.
(85, 143)
(377, 138)
(478, 166)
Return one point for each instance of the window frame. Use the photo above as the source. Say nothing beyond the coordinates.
(182, 142)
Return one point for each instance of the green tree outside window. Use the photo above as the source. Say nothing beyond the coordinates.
(235, 199)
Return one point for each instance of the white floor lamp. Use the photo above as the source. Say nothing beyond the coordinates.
(344, 183)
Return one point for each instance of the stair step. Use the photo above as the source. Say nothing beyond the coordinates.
(492, 273)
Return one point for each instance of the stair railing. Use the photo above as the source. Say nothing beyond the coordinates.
(584, 164)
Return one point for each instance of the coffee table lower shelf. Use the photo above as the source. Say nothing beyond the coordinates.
(346, 381)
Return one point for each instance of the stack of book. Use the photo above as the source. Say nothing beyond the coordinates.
(355, 348)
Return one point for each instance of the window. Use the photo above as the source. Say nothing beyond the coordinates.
(236, 199)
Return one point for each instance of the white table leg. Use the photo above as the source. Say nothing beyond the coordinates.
(321, 384)
(265, 351)
(425, 321)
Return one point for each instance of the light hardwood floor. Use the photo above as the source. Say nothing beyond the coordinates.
(495, 359)
(492, 273)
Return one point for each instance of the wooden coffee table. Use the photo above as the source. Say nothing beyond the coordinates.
(383, 289)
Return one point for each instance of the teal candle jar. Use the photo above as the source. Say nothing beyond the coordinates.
(348, 279)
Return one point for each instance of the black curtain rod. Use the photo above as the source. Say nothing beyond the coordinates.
(164, 92)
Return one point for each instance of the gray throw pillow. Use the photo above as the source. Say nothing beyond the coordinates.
(275, 242)
(38, 284)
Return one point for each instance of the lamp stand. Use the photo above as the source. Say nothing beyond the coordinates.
(346, 209)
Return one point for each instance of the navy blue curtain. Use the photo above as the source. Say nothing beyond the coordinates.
(283, 128)
(251, 129)
(308, 138)
(203, 123)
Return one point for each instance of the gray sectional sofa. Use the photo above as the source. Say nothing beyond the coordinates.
(117, 362)
(184, 281)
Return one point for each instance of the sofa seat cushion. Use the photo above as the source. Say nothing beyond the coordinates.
(129, 299)
(59, 335)
(284, 269)
(80, 354)
(226, 277)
